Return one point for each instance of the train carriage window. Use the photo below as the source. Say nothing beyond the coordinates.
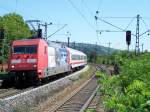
(30, 49)
(18, 50)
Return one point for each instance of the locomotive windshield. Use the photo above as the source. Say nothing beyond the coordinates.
(30, 49)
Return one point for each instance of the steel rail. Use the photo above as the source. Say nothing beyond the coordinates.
(79, 99)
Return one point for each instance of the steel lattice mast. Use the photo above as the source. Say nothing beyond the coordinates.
(137, 48)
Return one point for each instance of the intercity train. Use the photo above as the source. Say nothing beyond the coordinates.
(37, 59)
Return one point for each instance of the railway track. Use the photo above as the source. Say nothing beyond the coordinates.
(79, 99)
(4, 93)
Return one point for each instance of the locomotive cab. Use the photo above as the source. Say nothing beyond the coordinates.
(23, 57)
(27, 59)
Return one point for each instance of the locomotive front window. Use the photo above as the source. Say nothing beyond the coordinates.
(31, 49)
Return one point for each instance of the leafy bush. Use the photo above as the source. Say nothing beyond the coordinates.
(129, 91)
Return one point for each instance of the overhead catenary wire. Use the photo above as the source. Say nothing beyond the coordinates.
(99, 4)
(7, 10)
(111, 24)
(117, 17)
(145, 23)
(88, 9)
(81, 14)
(130, 23)
(57, 30)
(92, 15)
(119, 28)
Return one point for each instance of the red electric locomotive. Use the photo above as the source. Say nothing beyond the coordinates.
(36, 59)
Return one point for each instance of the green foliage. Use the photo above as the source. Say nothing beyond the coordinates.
(129, 91)
(15, 28)
(90, 110)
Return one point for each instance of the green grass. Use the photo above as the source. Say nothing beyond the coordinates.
(90, 110)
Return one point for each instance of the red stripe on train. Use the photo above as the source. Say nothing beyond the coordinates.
(77, 62)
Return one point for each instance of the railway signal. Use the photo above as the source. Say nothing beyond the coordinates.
(128, 38)
(39, 33)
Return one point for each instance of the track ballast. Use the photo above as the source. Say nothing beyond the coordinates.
(76, 102)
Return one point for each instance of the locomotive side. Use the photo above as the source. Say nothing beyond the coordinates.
(38, 59)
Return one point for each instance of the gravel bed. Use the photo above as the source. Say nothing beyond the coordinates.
(37, 95)
(96, 104)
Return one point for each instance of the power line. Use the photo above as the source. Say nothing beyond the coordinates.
(130, 23)
(144, 23)
(4, 8)
(57, 31)
(74, 6)
(120, 29)
(144, 32)
(99, 4)
(90, 12)
(109, 31)
(117, 17)
(112, 24)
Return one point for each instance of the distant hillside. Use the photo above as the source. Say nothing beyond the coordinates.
(90, 48)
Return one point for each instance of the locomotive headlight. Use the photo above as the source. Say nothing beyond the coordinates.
(12, 66)
(34, 65)
(39, 71)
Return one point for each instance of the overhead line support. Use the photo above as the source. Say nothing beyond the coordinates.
(137, 49)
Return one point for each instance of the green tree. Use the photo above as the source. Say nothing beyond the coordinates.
(15, 28)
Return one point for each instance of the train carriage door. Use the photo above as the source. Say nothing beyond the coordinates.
(51, 57)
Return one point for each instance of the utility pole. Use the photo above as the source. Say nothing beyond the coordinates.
(39, 26)
(109, 48)
(45, 35)
(95, 53)
(96, 48)
(74, 44)
(137, 49)
(46, 25)
(68, 34)
(142, 47)
(68, 41)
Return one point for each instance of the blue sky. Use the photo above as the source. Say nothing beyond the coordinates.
(80, 19)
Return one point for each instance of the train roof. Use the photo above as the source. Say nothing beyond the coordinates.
(50, 43)
(74, 51)
(35, 41)
(54, 44)
(25, 41)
